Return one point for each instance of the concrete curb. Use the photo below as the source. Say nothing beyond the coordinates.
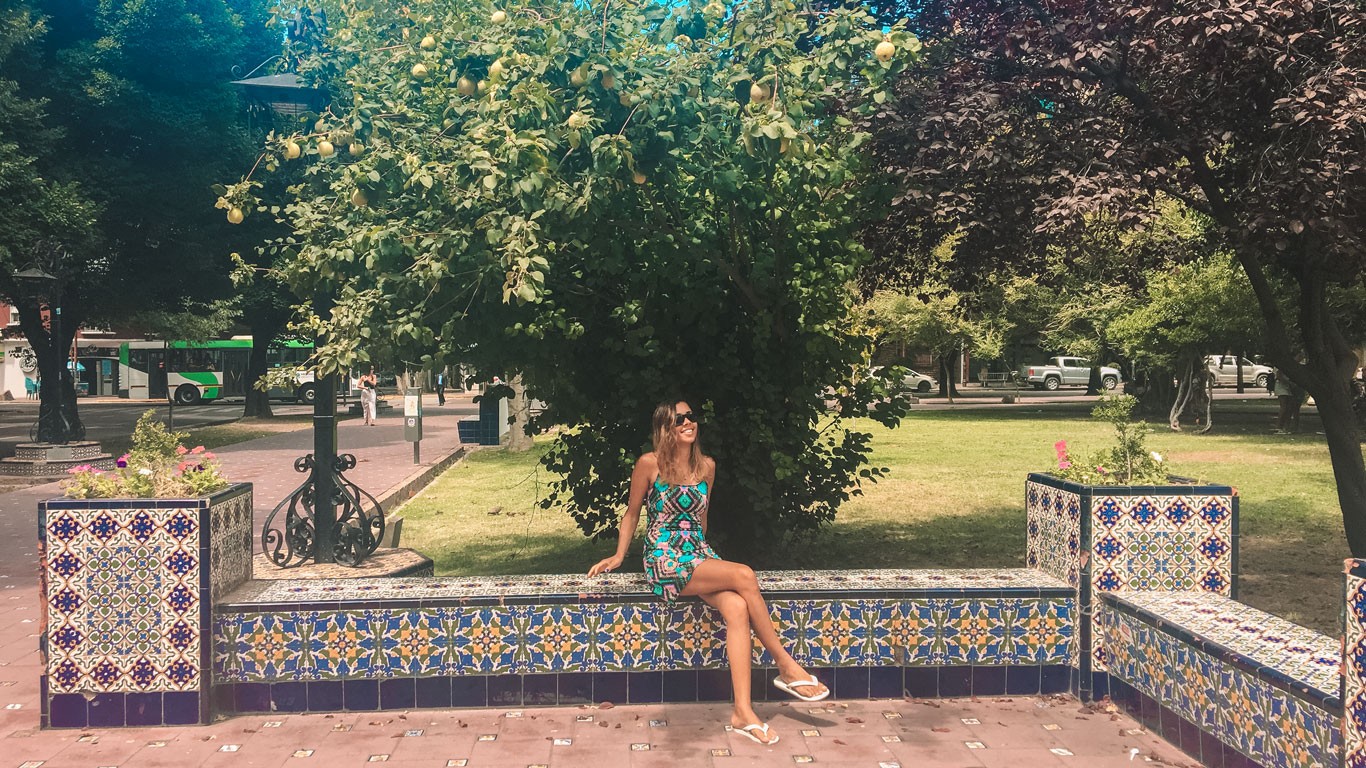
(409, 486)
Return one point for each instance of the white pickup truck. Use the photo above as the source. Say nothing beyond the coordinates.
(1224, 370)
(1072, 371)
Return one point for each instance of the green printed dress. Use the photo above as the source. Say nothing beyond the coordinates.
(674, 543)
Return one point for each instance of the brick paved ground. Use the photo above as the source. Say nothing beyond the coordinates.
(1019, 732)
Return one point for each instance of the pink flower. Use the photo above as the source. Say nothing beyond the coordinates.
(197, 449)
(182, 465)
(1061, 448)
(1064, 464)
(122, 461)
(1100, 470)
(180, 450)
(209, 455)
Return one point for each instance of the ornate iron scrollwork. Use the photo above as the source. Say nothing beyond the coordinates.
(356, 535)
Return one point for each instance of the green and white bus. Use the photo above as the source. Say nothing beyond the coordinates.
(204, 371)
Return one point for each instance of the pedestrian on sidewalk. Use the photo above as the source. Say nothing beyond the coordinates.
(1290, 397)
(675, 482)
(369, 397)
(441, 387)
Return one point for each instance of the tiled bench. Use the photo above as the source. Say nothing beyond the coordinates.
(1230, 684)
(404, 643)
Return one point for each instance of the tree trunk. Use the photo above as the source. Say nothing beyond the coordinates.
(1156, 391)
(948, 362)
(258, 400)
(519, 413)
(1344, 451)
(1182, 397)
(58, 418)
(1094, 384)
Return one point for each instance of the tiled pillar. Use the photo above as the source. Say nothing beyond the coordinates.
(1354, 665)
(1176, 538)
(128, 588)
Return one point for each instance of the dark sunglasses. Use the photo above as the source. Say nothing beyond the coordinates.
(679, 418)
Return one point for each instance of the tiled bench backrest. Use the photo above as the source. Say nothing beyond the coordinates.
(356, 644)
(1100, 539)
(1244, 679)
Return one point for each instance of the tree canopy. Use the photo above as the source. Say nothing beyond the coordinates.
(625, 203)
(116, 118)
(1028, 117)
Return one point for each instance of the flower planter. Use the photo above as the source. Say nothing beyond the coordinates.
(1129, 538)
(128, 586)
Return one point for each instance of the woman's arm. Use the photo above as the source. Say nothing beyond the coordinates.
(641, 478)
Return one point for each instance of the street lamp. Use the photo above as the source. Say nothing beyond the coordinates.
(325, 518)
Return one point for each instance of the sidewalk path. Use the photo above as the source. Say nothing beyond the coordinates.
(1018, 732)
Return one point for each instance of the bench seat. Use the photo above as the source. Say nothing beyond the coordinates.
(561, 588)
(1220, 677)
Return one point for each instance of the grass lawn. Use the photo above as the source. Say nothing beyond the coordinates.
(954, 499)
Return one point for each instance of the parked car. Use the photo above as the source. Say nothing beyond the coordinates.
(1067, 371)
(918, 383)
(1224, 370)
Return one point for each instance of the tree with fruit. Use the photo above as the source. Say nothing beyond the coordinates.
(622, 202)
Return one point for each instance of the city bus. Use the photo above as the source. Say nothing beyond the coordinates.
(203, 371)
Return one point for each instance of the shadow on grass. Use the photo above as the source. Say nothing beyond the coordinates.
(517, 555)
(990, 537)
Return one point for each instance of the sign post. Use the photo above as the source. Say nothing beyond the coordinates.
(412, 421)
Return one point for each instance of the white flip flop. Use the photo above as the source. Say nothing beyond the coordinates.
(760, 727)
(791, 688)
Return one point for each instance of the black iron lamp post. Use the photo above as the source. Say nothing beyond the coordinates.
(54, 425)
(325, 519)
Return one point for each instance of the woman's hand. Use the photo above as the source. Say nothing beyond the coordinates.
(609, 564)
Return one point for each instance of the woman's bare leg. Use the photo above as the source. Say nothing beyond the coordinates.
(739, 646)
(713, 576)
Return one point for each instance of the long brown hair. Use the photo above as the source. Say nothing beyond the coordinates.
(665, 445)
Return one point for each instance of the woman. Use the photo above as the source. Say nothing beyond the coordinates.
(369, 397)
(675, 483)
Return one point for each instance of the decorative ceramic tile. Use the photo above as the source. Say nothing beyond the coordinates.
(529, 588)
(1121, 539)
(264, 646)
(1296, 652)
(1168, 543)
(1053, 520)
(230, 544)
(1354, 667)
(122, 592)
(1250, 714)
(1158, 543)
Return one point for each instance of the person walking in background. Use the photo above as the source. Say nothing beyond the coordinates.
(1289, 397)
(441, 387)
(369, 396)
